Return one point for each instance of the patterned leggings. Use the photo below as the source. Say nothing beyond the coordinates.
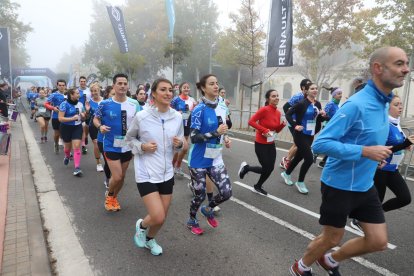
(219, 176)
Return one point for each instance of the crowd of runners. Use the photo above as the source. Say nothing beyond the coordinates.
(159, 125)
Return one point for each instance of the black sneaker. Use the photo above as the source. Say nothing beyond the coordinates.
(321, 164)
(259, 190)
(355, 225)
(84, 150)
(242, 171)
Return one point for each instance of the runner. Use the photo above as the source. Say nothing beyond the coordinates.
(354, 141)
(284, 164)
(42, 115)
(32, 99)
(154, 135)
(85, 95)
(305, 117)
(388, 175)
(267, 122)
(141, 96)
(108, 93)
(112, 118)
(207, 137)
(91, 106)
(53, 103)
(330, 110)
(71, 115)
(184, 104)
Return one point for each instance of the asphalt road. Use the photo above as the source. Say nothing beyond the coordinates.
(257, 235)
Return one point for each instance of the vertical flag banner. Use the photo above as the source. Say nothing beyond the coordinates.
(279, 47)
(117, 20)
(5, 63)
(171, 17)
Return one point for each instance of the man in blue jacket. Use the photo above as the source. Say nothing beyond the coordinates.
(355, 140)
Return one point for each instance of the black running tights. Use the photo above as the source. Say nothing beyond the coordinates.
(266, 154)
(304, 152)
(395, 182)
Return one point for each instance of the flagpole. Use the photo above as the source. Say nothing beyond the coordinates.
(172, 59)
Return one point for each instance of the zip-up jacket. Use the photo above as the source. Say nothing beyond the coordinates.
(361, 121)
(304, 111)
(148, 126)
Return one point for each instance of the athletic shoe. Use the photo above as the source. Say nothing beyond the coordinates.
(209, 214)
(178, 171)
(355, 225)
(66, 161)
(56, 148)
(194, 227)
(152, 245)
(294, 270)
(216, 209)
(284, 164)
(116, 204)
(71, 156)
(287, 178)
(334, 271)
(99, 168)
(190, 186)
(301, 187)
(109, 203)
(106, 183)
(315, 156)
(140, 237)
(259, 190)
(321, 164)
(84, 150)
(41, 140)
(60, 142)
(242, 171)
(77, 172)
(45, 138)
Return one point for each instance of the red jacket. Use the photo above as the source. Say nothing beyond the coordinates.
(266, 119)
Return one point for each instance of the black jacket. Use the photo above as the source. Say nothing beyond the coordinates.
(299, 109)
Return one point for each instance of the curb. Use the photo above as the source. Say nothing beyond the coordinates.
(4, 183)
(64, 246)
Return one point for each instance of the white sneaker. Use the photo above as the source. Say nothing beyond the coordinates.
(60, 142)
(179, 171)
(216, 209)
(99, 168)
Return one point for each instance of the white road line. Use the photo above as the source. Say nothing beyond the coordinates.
(361, 261)
(304, 210)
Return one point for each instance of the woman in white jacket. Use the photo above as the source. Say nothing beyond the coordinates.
(154, 136)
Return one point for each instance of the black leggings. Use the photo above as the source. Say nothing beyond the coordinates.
(395, 182)
(303, 142)
(266, 154)
(106, 167)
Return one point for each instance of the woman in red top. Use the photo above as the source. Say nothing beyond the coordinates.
(267, 123)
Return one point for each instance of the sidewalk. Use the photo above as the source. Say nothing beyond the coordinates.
(23, 248)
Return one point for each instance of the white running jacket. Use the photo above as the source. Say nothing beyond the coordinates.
(148, 126)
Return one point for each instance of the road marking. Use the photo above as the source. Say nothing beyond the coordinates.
(304, 210)
(361, 261)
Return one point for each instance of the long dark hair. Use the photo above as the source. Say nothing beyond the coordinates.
(307, 86)
(203, 81)
(267, 95)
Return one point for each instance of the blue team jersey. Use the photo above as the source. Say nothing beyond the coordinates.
(309, 120)
(296, 98)
(70, 111)
(331, 109)
(395, 137)
(179, 104)
(84, 95)
(55, 99)
(204, 119)
(94, 106)
(118, 116)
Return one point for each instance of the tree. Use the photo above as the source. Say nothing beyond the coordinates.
(180, 49)
(18, 32)
(105, 71)
(327, 31)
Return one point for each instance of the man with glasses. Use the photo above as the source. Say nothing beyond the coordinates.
(53, 102)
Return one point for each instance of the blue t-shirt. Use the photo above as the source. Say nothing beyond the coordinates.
(56, 99)
(309, 120)
(395, 137)
(331, 109)
(94, 106)
(204, 119)
(296, 98)
(70, 111)
(118, 116)
(84, 95)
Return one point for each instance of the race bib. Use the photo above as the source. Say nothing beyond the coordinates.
(272, 137)
(42, 109)
(119, 142)
(213, 150)
(397, 158)
(185, 116)
(310, 126)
